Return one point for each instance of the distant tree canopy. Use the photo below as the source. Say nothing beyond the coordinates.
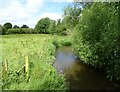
(21, 31)
(5, 27)
(52, 27)
(15, 26)
(43, 25)
(60, 28)
(8, 25)
(24, 26)
(71, 15)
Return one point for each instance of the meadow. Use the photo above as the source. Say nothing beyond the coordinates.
(40, 51)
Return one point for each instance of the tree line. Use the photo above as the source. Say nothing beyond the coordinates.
(7, 28)
(44, 26)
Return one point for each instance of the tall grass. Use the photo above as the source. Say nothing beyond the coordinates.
(41, 51)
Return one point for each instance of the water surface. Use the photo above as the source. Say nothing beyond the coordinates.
(80, 76)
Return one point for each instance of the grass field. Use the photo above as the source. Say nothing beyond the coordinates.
(40, 52)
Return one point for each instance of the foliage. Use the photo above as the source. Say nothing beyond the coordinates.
(52, 27)
(5, 27)
(15, 26)
(24, 26)
(21, 31)
(63, 42)
(4, 30)
(0, 29)
(71, 15)
(60, 28)
(8, 25)
(97, 38)
(48, 26)
(43, 25)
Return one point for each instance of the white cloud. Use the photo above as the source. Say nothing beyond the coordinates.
(16, 12)
(63, 0)
(52, 16)
(25, 11)
(34, 5)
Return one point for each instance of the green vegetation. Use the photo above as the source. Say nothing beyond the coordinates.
(21, 31)
(15, 26)
(25, 26)
(7, 25)
(97, 38)
(40, 51)
(62, 42)
(48, 26)
(43, 25)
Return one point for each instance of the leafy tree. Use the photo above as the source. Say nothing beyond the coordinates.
(43, 25)
(8, 25)
(58, 22)
(97, 38)
(24, 26)
(15, 26)
(52, 27)
(60, 28)
(5, 27)
(71, 15)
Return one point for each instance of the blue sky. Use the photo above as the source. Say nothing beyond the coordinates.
(20, 12)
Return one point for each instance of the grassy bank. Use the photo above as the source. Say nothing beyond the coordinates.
(40, 52)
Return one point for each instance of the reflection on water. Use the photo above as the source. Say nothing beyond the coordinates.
(79, 76)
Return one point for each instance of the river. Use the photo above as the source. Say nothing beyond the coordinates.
(80, 76)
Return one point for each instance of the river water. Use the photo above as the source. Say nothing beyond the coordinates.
(80, 76)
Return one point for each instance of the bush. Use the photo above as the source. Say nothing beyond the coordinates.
(97, 38)
(4, 30)
(61, 30)
(64, 33)
(55, 43)
(20, 31)
(64, 42)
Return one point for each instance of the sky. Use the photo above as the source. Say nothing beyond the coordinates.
(29, 12)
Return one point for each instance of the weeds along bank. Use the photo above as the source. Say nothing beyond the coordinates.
(40, 75)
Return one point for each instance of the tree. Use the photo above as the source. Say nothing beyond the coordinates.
(24, 26)
(52, 27)
(8, 25)
(97, 38)
(15, 26)
(43, 25)
(58, 22)
(5, 27)
(71, 15)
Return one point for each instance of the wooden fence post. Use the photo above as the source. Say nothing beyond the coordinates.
(4, 70)
(6, 65)
(27, 67)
